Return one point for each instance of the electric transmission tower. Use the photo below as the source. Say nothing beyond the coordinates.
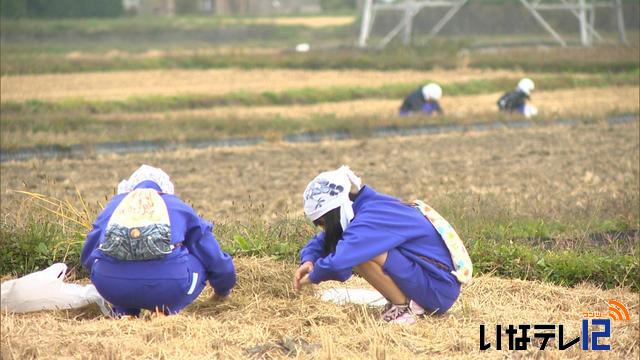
(583, 10)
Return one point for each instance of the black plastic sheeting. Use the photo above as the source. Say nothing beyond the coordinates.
(78, 151)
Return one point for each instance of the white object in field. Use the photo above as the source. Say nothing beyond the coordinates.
(304, 47)
(343, 296)
(530, 110)
(46, 290)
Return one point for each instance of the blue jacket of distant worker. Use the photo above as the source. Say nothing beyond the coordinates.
(416, 103)
(513, 101)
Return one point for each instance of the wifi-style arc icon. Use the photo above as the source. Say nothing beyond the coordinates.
(617, 311)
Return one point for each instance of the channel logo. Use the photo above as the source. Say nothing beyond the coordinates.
(617, 311)
(596, 330)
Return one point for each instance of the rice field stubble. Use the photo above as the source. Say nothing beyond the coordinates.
(120, 85)
(273, 122)
(580, 175)
(553, 172)
(575, 173)
(563, 102)
(162, 48)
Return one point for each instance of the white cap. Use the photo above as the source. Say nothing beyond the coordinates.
(526, 85)
(432, 91)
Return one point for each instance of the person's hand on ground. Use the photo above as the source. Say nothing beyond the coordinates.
(301, 276)
(220, 298)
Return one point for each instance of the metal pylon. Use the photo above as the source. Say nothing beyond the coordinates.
(583, 10)
(410, 8)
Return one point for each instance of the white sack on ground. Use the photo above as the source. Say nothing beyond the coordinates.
(530, 111)
(343, 296)
(46, 290)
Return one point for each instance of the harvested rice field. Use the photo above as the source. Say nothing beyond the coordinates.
(554, 170)
(581, 102)
(547, 207)
(265, 319)
(159, 53)
(120, 85)
(19, 131)
(570, 174)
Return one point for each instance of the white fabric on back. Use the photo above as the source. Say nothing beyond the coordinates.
(330, 190)
(146, 172)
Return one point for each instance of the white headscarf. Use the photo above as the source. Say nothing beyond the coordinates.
(328, 191)
(146, 172)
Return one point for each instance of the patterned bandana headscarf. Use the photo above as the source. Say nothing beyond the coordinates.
(328, 191)
(146, 172)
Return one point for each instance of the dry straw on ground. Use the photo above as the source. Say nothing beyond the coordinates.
(155, 53)
(123, 84)
(265, 319)
(308, 21)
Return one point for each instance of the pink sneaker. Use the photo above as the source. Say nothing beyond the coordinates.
(399, 314)
(417, 309)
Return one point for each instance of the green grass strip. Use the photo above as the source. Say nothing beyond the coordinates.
(41, 242)
(566, 267)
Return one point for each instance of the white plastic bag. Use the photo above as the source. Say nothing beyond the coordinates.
(343, 296)
(46, 290)
(530, 110)
(303, 47)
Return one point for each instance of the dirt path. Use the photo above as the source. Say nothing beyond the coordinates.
(120, 85)
(265, 319)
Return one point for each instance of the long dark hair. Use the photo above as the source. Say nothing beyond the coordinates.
(332, 229)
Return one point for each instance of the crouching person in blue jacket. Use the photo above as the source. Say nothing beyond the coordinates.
(149, 250)
(391, 244)
(423, 100)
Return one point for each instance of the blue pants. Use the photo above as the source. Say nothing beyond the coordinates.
(165, 284)
(431, 287)
(427, 109)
